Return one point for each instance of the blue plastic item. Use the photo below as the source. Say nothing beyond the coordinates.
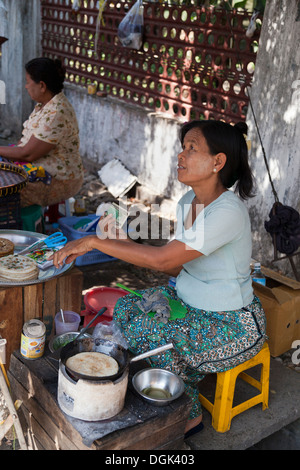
(55, 239)
(81, 224)
(87, 225)
(66, 225)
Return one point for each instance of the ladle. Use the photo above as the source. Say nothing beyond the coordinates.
(62, 315)
(103, 309)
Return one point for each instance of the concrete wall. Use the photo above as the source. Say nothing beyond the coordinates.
(23, 44)
(276, 102)
(145, 142)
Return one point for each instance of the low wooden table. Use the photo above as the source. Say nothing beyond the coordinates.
(19, 304)
(138, 426)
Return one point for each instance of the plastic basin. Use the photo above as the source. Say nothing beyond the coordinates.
(100, 297)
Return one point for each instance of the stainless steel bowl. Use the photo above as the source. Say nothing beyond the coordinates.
(57, 342)
(152, 384)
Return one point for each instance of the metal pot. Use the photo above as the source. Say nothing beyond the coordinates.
(59, 341)
(117, 352)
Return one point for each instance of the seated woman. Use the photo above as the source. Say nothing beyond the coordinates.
(50, 137)
(224, 324)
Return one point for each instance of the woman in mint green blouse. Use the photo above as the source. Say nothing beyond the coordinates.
(224, 323)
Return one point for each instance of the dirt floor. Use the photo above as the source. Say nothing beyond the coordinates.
(108, 274)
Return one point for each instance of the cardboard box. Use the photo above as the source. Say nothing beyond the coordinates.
(280, 299)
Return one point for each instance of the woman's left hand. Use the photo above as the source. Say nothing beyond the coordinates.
(72, 250)
(107, 228)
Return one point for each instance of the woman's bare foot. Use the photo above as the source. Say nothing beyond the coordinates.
(192, 423)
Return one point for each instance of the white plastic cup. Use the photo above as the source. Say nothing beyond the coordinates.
(71, 323)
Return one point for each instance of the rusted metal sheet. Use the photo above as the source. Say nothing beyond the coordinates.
(194, 62)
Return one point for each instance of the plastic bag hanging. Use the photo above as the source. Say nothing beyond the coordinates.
(100, 19)
(130, 30)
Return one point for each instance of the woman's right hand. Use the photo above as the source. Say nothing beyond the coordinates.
(72, 250)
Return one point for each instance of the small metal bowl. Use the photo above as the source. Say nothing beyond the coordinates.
(160, 382)
(57, 342)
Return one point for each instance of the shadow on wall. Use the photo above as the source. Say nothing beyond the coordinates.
(275, 96)
(146, 143)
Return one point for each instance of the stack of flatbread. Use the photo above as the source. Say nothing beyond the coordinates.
(18, 268)
(6, 247)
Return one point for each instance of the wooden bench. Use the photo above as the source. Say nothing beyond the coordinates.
(137, 426)
(19, 304)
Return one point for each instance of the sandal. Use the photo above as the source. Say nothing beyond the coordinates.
(194, 430)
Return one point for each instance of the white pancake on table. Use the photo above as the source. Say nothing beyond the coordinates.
(94, 364)
(6, 247)
(18, 268)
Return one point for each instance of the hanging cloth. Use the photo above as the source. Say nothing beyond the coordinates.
(284, 223)
(284, 226)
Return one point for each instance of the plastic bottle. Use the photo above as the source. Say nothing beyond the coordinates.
(257, 275)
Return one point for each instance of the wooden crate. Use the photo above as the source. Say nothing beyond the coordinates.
(138, 427)
(22, 303)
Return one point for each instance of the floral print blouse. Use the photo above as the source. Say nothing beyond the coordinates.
(56, 123)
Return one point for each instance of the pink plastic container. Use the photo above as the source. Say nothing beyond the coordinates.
(71, 323)
(100, 297)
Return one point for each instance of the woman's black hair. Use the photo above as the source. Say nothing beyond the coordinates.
(49, 71)
(222, 137)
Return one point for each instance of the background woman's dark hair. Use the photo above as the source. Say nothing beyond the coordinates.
(49, 71)
(228, 139)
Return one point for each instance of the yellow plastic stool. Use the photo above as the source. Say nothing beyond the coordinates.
(222, 410)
